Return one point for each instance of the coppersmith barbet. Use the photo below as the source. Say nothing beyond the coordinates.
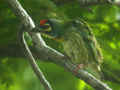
(78, 42)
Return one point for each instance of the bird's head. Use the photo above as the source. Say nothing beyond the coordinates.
(52, 28)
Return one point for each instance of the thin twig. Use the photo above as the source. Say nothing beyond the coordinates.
(32, 60)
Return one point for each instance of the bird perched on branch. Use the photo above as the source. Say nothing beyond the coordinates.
(78, 41)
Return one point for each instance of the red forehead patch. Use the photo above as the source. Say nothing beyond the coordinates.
(42, 22)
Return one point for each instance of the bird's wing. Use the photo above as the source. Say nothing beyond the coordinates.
(74, 47)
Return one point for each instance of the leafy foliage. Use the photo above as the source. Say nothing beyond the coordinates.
(15, 73)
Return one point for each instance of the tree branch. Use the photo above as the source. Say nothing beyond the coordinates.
(99, 2)
(86, 3)
(32, 61)
(50, 54)
(28, 25)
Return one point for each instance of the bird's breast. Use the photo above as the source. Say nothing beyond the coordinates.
(74, 48)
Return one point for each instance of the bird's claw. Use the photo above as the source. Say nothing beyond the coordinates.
(79, 66)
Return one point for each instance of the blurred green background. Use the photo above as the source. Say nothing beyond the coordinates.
(16, 74)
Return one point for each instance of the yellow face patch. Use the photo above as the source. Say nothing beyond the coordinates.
(48, 29)
(51, 37)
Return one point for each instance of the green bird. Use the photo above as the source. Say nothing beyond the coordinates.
(78, 42)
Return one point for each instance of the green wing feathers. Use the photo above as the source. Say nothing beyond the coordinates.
(81, 46)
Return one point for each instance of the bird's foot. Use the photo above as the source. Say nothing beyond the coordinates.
(79, 66)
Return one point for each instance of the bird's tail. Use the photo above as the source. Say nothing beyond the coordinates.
(95, 70)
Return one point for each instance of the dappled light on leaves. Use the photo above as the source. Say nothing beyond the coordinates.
(15, 74)
(113, 46)
(81, 85)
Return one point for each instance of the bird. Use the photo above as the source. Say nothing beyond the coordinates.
(79, 43)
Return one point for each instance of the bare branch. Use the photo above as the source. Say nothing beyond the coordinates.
(32, 61)
(116, 3)
(86, 3)
(28, 25)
